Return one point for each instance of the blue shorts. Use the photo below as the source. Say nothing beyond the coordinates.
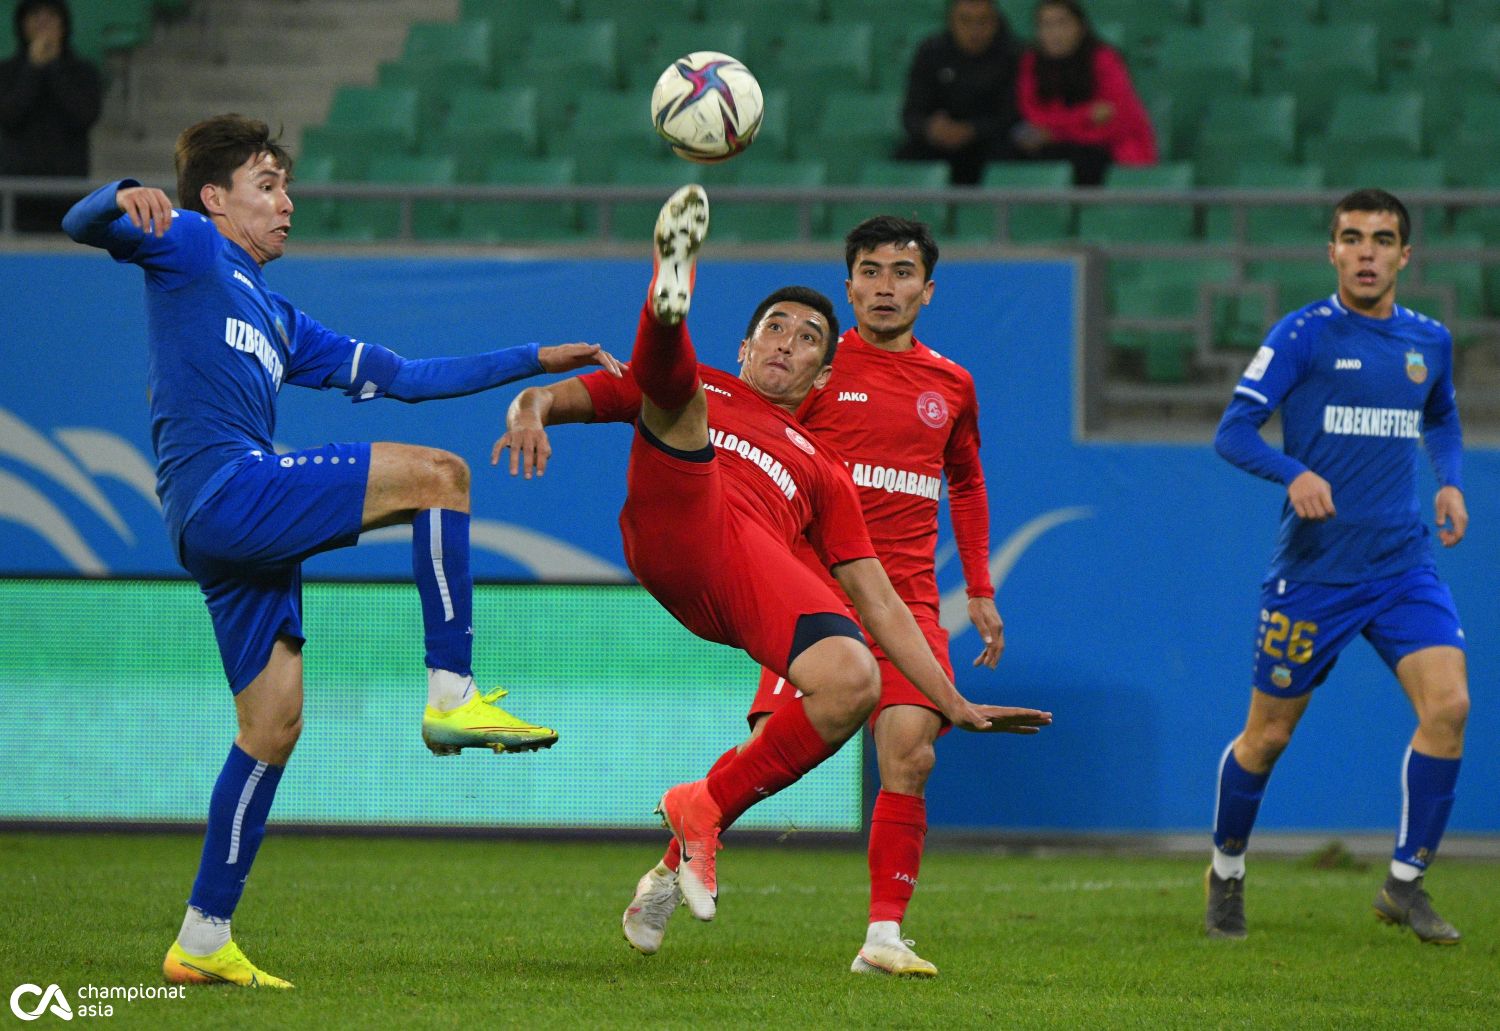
(246, 543)
(1304, 626)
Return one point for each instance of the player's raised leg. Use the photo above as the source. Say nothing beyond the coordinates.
(1243, 771)
(904, 738)
(270, 720)
(841, 685)
(429, 488)
(1436, 681)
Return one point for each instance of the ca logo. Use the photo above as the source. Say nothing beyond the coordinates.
(53, 995)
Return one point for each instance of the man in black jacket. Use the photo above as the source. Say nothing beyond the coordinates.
(961, 92)
(49, 97)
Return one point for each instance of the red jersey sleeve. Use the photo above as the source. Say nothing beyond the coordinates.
(968, 499)
(615, 399)
(838, 532)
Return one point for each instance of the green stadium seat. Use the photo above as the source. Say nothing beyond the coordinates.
(921, 175)
(103, 28)
(768, 24)
(1237, 129)
(1273, 23)
(1294, 224)
(1399, 174)
(635, 220)
(533, 10)
(440, 59)
(1388, 124)
(1027, 223)
(930, 14)
(314, 218)
(1466, 278)
(678, 39)
(563, 61)
(1454, 60)
(1159, 108)
(1297, 282)
(1194, 65)
(771, 220)
(819, 59)
(851, 128)
(430, 220)
(504, 221)
(1160, 289)
(1474, 13)
(1146, 22)
(1140, 223)
(1320, 64)
(608, 127)
(1402, 22)
(1471, 150)
(483, 125)
(637, 23)
(365, 121)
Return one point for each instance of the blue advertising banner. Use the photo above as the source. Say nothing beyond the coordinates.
(1128, 574)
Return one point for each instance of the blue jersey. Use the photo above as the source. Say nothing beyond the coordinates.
(1356, 395)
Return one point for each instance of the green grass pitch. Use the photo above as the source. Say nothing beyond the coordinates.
(392, 932)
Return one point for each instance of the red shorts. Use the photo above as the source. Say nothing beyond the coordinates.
(775, 691)
(721, 573)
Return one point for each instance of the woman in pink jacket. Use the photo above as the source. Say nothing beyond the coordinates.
(1075, 95)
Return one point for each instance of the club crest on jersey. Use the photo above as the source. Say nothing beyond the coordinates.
(932, 409)
(799, 440)
(1281, 676)
(1416, 367)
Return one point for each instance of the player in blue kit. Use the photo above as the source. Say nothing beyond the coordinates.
(1359, 381)
(242, 518)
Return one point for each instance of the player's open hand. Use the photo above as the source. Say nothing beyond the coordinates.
(986, 619)
(1452, 516)
(150, 209)
(999, 719)
(567, 357)
(1311, 496)
(529, 450)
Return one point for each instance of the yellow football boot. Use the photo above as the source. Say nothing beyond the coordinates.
(227, 965)
(480, 723)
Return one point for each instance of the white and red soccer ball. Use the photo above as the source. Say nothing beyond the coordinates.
(707, 106)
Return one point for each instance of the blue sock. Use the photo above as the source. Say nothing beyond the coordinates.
(1238, 802)
(440, 563)
(237, 814)
(1426, 800)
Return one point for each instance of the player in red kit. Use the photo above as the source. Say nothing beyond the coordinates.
(902, 417)
(722, 483)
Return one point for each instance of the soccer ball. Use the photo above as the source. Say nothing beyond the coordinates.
(707, 106)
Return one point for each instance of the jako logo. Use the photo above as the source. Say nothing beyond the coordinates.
(1347, 363)
(53, 995)
(853, 395)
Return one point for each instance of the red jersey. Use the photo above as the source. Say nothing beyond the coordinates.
(774, 471)
(901, 420)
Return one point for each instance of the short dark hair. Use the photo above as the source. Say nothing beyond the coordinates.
(1370, 199)
(883, 229)
(801, 295)
(210, 151)
(26, 7)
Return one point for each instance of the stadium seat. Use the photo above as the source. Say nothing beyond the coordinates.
(771, 220)
(1321, 63)
(851, 128)
(677, 39)
(1401, 22)
(768, 23)
(511, 24)
(440, 59)
(1466, 278)
(636, 25)
(1471, 150)
(314, 218)
(776, 124)
(1027, 223)
(1454, 59)
(921, 175)
(430, 219)
(1140, 223)
(635, 220)
(1237, 129)
(365, 121)
(1272, 23)
(1293, 224)
(1399, 174)
(818, 59)
(103, 28)
(1159, 108)
(607, 127)
(1388, 124)
(501, 221)
(1146, 23)
(483, 125)
(1473, 13)
(1194, 65)
(1161, 289)
(1298, 282)
(563, 61)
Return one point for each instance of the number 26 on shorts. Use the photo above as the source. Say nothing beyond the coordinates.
(1276, 628)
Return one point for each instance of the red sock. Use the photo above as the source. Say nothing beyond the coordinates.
(897, 830)
(674, 851)
(664, 363)
(787, 747)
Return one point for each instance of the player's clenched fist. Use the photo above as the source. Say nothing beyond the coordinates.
(150, 209)
(1311, 496)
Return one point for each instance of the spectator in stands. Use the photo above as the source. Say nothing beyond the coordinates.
(1075, 95)
(49, 97)
(960, 92)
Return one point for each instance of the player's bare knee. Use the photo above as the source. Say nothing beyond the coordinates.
(1447, 712)
(1266, 742)
(449, 479)
(905, 771)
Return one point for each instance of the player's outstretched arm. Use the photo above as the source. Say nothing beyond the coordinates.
(533, 410)
(890, 622)
(95, 220)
